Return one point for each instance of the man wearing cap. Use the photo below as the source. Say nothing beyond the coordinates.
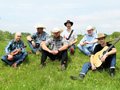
(70, 35)
(108, 59)
(35, 40)
(55, 48)
(15, 51)
(88, 42)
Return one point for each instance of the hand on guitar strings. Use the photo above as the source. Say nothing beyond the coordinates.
(104, 57)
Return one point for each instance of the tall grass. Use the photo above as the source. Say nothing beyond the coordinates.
(29, 75)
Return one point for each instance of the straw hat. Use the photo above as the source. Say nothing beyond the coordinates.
(90, 28)
(40, 26)
(101, 35)
(55, 30)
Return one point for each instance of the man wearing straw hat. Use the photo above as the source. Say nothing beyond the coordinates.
(35, 40)
(89, 41)
(55, 48)
(108, 59)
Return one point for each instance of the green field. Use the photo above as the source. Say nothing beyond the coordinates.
(29, 75)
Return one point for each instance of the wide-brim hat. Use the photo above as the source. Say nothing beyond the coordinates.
(101, 35)
(68, 21)
(40, 26)
(55, 30)
(90, 28)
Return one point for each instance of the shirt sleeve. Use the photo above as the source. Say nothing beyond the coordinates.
(83, 39)
(33, 36)
(75, 35)
(23, 47)
(7, 49)
(48, 41)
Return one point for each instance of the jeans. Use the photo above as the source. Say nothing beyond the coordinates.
(109, 62)
(19, 58)
(34, 49)
(63, 56)
(86, 50)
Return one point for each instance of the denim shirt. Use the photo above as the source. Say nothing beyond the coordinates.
(89, 38)
(40, 37)
(15, 45)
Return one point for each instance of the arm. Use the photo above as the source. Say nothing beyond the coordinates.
(113, 51)
(7, 49)
(64, 47)
(71, 43)
(44, 47)
(29, 38)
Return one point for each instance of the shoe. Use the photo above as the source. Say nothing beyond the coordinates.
(42, 65)
(72, 51)
(37, 52)
(14, 65)
(63, 67)
(80, 77)
(112, 72)
(29, 52)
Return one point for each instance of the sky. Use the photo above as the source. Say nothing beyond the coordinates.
(23, 15)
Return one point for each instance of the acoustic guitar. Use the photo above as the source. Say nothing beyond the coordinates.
(97, 57)
(13, 53)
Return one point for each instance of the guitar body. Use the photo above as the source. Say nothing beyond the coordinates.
(96, 58)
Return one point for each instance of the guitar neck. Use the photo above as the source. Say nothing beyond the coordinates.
(113, 44)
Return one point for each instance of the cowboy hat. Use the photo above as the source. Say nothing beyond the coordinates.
(40, 26)
(90, 28)
(101, 35)
(55, 30)
(68, 21)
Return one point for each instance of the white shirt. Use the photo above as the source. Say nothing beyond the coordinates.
(66, 34)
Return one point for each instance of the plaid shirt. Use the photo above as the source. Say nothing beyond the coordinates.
(40, 37)
(56, 43)
(14, 45)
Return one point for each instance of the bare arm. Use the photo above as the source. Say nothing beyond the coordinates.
(73, 42)
(44, 47)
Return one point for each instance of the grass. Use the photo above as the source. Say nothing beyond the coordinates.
(29, 76)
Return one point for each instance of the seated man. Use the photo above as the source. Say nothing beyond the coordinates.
(108, 60)
(55, 48)
(70, 35)
(88, 42)
(15, 51)
(35, 40)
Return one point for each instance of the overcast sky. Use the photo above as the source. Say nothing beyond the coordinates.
(23, 15)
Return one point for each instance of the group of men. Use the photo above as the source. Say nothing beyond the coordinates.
(57, 45)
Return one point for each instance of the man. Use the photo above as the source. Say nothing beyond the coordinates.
(108, 59)
(55, 48)
(15, 51)
(70, 35)
(35, 40)
(88, 42)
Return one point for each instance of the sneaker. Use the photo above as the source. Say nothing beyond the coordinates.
(42, 65)
(112, 72)
(63, 67)
(72, 51)
(37, 52)
(80, 77)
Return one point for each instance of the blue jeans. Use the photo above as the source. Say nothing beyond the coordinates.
(17, 59)
(86, 50)
(34, 49)
(109, 62)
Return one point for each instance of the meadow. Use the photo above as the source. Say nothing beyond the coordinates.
(29, 75)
